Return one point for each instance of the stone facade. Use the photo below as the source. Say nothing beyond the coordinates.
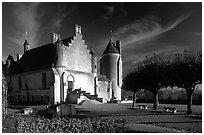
(63, 71)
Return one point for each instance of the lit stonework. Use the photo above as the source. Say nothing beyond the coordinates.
(65, 70)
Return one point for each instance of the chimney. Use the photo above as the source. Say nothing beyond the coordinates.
(77, 29)
(54, 37)
(118, 46)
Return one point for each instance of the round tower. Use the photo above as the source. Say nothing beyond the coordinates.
(111, 68)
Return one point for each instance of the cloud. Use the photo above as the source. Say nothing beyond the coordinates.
(37, 19)
(116, 10)
(145, 28)
(26, 20)
(58, 22)
(55, 16)
(109, 10)
(58, 17)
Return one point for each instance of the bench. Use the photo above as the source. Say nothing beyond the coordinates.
(27, 111)
(168, 109)
(142, 107)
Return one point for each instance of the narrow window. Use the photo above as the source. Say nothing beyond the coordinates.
(118, 72)
(48, 98)
(19, 98)
(19, 82)
(41, 98)
(43, 80)
(33, 99)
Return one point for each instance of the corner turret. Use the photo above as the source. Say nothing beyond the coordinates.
(26, 46)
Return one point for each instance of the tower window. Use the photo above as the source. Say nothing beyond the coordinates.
(43, 80)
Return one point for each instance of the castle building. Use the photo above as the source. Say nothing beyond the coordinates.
(65, 70)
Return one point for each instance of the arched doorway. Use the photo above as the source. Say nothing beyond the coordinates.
(70, 88)
(70, 80)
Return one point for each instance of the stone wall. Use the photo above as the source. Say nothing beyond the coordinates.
(32, 89)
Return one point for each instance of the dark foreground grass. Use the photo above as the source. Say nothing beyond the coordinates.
(40, 124)
(118, 115)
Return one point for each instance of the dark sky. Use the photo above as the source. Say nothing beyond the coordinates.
(144, 28)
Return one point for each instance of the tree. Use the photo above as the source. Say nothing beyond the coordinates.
(185, 71)
(147, 75)
(180, 70)
(132, 82)
(152, 73)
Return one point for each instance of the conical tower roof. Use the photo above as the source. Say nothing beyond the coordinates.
(110, 48)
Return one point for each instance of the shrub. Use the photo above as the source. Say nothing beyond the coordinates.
(66, 125)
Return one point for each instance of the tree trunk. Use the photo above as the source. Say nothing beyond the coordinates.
(134, 99)
(189, 102)
(156, 101)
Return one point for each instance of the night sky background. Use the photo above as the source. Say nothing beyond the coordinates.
(144, 28)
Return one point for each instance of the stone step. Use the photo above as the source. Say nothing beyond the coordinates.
(88, 95)
(94, 96)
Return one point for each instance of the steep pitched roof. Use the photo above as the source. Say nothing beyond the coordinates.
(38, 58)
(110, 48)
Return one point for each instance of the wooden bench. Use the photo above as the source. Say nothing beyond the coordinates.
(142, 107)
(168, 109)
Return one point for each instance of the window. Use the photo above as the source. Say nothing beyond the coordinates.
(19, 82)
(32, 98)
(43, 80)
(41, 98)
(108, 89)
(19, 98)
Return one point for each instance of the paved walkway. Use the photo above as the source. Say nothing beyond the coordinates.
(146, 128)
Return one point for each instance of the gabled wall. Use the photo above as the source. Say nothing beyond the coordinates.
(76, 56)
